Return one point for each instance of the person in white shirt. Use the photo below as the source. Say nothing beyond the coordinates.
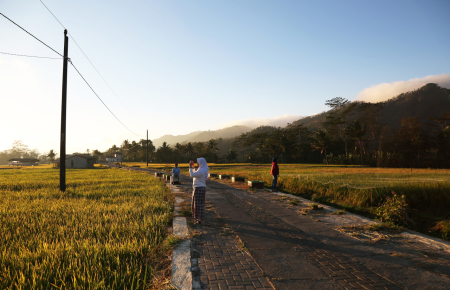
(199, 183)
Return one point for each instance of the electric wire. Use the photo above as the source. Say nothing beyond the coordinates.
(132, 147)
(32, 35)
(30, 55)
(100, 98)
(74, 68)
(86, 57)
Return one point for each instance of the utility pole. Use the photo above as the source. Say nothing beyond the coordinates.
(62, 159)
(147, 148)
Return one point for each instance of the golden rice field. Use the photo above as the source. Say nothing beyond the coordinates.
(357, 188)
(102, 233)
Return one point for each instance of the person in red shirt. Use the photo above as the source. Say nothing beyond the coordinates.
(275, 172)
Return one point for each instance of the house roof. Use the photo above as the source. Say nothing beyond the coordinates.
(24, 159)
(86, 156)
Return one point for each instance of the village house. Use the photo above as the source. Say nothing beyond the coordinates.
(23, 162)
(77, 161)
(116, 157)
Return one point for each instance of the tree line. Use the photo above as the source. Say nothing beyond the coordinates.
(351, 133)
(20, 150)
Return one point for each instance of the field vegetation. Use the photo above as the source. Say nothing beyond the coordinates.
(107, 231)
(359, 189)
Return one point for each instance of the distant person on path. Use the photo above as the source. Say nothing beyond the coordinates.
(176, 173)
(275, 172)
(198, 196)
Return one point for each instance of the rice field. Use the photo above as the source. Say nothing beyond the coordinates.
(104, 232)
(357, 188)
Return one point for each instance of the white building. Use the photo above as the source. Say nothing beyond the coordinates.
(116, 157)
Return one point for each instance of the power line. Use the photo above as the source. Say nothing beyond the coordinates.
(30, 55)
(52, 14)
(32, 35)
(74, 68)
(100, 98)
(86, 57)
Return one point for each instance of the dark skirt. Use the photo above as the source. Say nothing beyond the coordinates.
(198, 203)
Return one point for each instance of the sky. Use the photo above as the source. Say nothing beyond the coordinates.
(175, 67)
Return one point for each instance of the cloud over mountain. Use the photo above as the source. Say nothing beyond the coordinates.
(385, 91)
(278, 121)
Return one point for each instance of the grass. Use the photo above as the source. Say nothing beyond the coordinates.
(339, 212)
(106, 231)
(294, 202)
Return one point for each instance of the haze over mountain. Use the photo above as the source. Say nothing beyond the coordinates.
(431, 100)
(202, 136)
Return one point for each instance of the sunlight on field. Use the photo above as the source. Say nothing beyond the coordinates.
(96, 235)
(358, 177)
(181, 165)
(40, 166)
(358, 187)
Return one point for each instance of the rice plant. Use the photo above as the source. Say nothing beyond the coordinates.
(100, 233)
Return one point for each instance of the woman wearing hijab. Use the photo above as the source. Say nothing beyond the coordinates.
(275, 172)
(198, 196)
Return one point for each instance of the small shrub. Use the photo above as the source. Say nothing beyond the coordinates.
(444, 228)
(294, 202)
(185, 213)
(314, 206)
(315, 197)
(394, 210)
(172, 241)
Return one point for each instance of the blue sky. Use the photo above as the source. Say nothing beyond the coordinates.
(183, 66)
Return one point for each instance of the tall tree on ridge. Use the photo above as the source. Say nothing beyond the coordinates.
(337, 119)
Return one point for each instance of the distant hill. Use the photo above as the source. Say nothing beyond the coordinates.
(202, 136)
(428, 101)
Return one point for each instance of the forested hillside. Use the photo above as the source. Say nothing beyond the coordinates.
(424, 103)
(410, 130)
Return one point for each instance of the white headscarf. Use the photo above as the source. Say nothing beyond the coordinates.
(203, 168)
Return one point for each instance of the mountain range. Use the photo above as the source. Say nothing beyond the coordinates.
(202, 136)
(428, 101)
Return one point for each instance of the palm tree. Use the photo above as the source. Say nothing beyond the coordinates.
(189, 149)
(231, 155)
(356, 131)
(178, 149)
(321, 142)
(212, 148)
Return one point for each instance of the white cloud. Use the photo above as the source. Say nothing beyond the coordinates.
(278, 121)
(385, 91)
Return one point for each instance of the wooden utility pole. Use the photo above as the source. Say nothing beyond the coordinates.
(147, 148)
(62, 159)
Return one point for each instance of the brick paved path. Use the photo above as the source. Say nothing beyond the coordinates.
(223, 263)
(297, 252)
(350, 275)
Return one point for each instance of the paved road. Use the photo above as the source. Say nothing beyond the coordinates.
(292, 251)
